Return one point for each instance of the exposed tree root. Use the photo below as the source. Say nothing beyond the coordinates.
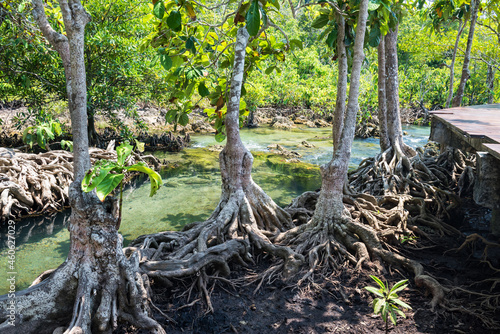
(483, 305)
(39, 183)
(245, 219)
(409, 201)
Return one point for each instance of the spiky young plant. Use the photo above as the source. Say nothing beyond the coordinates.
(388, 300)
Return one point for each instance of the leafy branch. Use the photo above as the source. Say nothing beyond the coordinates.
(107, 175)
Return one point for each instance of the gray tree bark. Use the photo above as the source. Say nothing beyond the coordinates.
(338, 116)
(453, 58)
(394, 129)
(457, 100)
(382, 103)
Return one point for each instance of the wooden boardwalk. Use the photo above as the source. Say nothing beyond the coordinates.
(478, 126)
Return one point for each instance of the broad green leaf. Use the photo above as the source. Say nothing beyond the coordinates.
(393, 315)
(174, 20)
(159, 9)
(220, 137)
(320, 21)
(394, 291)
(373, 6)
(296, 43)
(40, 139)
(139, 145)
(183, 119)
(154, 177)
(45, 130)
(401, 313)
(275, 3)
(374, 291)
(383, 312)
(253, 18)
(56, 127)
(190, 44)
(209, 111)
(94, 177)
(26, 132)
(243, 104)
(29, 140)
(67, 144)
(374, 37)
(166, 62)
(122, 152)
(110, 182)
(171, 115)
(399, 284)
(269, 70)
(332, 37)
(203, 90)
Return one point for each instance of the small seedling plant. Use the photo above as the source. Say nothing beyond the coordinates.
(107, 175)
(387, 300)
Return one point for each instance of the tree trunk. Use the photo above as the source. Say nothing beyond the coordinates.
(338, 116)
(328, 219)
(245, 216)
(96, 280)
(394, 129)
(453, 57)
(382, 103)
(457, 100)
(92, 133)
(490, 82)
(330, 206)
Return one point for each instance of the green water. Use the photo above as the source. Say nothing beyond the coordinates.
(190, 193)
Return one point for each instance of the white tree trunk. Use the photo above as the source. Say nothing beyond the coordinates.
(382, 103)
(338, 116)
(394, 129)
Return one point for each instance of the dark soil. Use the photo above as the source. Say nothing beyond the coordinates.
(334, 304)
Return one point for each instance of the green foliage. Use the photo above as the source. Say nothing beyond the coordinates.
(387, 300)
(106, 175)
(253, 18)
(41, 133)
(67, 145)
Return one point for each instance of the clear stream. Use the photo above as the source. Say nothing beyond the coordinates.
(191, 191)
